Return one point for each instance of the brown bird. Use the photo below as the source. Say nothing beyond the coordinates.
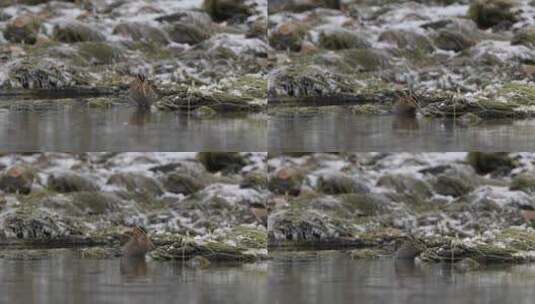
(260, 213)
(406, 106)
(139, 243)
(143, 92)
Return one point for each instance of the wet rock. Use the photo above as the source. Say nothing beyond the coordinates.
(182, 183)
(523, 182)
(70, 182)
(406, 184)
(39, 225)
(74, 31)
(204, 112)
(363, 204)
(288, 36)
(100, 53)
(340, 38)
(485, 163)
(489, 13)
(286, 181)
(338, 183)
(138, 31)
(44, 74)
(410, 249)
(23, 29)
(198, 262)
(525, 36)
(453, 41)
(136, 183)
(95, 203)
(227, 162)
(453, 252)
(466, 265)
(407, 40)
(17, 179)
(221, 10)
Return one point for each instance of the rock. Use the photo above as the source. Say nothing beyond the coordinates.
(523, 182)
(221, 10)
(301, 5)
(485, 163)
(204, 112)
(255, 179)
(74, 31)
(467, 264)
(410, 249)
(525, 36)
(340, 38)
(100, 53)
(138, 31)
(338, 183)
(452, 185)
(70, 182)
(286, 181)
(198, 262)
(406, 184)
(183, 183)
(407, 40)
(23, 29)
(43, 74)
(360, 254)
(453, 41)
(366, 60)
(39, 225)
(469, 119)
(95, 203)
(306, 81)
(190, 30)
(364, 204)
(288, 36)
(17, 179)
(489, 13)
(136, 183)
(227, 162)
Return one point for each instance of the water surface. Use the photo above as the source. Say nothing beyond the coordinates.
(65, 278)
(125, 129)
(336, 278)
(342, 130)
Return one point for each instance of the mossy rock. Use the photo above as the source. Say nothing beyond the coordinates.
(74, 31)
(23, 29)
(100, 53)
(255, 179)
(451, 40)
(137, 183)
(70, 182)
(467, 264)
(452, 185)
(525, 36)
(485, 163)
(488, 13)
(17, 179)
(227, 162)
(366, 60)
(407, 40)
(524, 182)
(401, 183)
(339, 183)
(190, 31)
(288, 36)
(221, 10)
(95, 203)
(138, 31)
(364, 204)
(301, 5)
(183, 183)
(340, 38)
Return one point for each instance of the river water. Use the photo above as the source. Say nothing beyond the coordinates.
(336, 278)
(344, 131)
(125, 129)
(65, 278)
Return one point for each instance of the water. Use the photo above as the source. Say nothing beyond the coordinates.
(64, 278)
(125, 129)
(336, 278)
(342, 130)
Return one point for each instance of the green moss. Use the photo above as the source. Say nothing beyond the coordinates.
(366, 60)
(523, 182)
(248, 237)
(100, 53)
(342, 39)
(76, 32)
(520, 93)
(485, 163)
(525, 37)
(517, 239)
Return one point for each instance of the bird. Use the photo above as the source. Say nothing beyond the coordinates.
(142, 92)
(139, 243)
(260, 213)
(406, 106)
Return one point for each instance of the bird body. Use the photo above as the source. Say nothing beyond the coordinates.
(139, 243)
(142, 92)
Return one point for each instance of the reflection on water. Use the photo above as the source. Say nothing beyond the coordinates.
(342, 130)
(339, 279)
(126, 129)
(64, 278)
